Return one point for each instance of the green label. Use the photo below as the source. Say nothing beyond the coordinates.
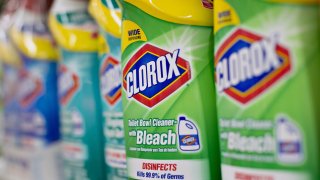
(168, 99)
(265, 69)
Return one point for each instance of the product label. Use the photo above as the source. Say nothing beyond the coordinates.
(270, 140)
(81, 124)
(110, 75)
(30, 88)
(38, 124)
(113, 128)
(266, 96)
(10, 104)
(168, 99)
(153, 74)
(68, 84)
(248, 64)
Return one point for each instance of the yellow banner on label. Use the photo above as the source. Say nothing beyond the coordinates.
(131, 33)
(224, 15)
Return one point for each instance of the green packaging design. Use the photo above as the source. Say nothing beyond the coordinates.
(168, 91)
(81, 113)
(108, 15)
(266, 72)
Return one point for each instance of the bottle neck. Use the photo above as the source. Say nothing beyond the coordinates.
(62, 6)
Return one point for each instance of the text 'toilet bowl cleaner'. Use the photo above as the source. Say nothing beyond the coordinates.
(267, 79)
(77, 36)
(108, 15)
(36, 93)
(168, 90)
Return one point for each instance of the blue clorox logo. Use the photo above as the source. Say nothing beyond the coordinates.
(247, 65)
(110, 76)
(153, 74)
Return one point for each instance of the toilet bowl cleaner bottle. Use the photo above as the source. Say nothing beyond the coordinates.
(168, 90)
(77, 36)
(267, 81)
(37, 93)
(38, 77)
(108, 15)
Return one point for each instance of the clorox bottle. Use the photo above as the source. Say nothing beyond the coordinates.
(188, 135)
(267, 78)
(77, 36)
(37, 93)
(108, 15)
(168, 94)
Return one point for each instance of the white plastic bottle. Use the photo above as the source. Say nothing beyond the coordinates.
(188, 135)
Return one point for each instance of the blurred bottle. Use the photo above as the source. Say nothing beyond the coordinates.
(108, 15)
(77, 36)
(268, 112)
(36, 94)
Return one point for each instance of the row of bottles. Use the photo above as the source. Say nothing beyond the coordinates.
(127, 89)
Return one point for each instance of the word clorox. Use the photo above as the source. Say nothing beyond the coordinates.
(152, 74)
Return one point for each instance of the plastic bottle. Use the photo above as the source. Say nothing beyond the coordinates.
(108, 15)
(188, 135)
(77, 36)
(167, 76)
(266, 70)
(36, 95)
(10, 65)
(289, 142)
